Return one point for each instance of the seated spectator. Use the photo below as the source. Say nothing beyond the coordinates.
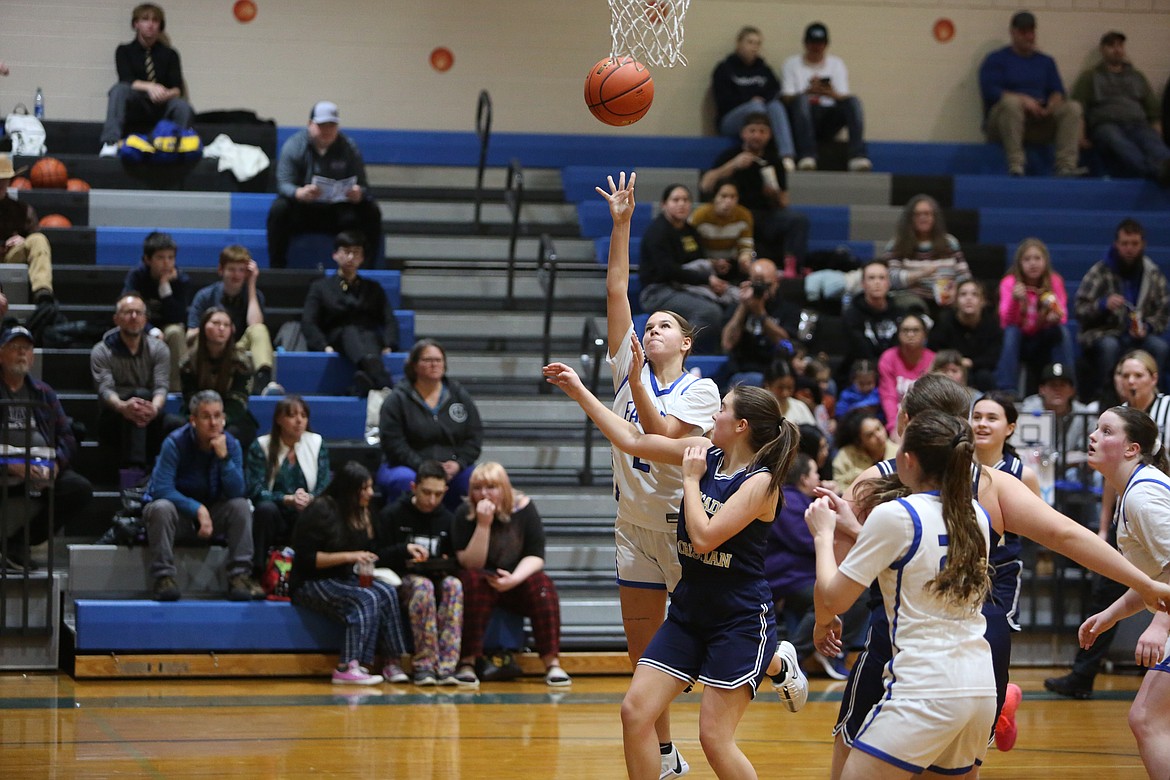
(759, 330)
(333, 542)
(744, 84)
(790, 566)
(150, 81)
(1123, 303)
(861, 393)
(871, 319)
(236, 292)
(815, 444)
(197, 491)
(285, 470)
(1024, 100)
(780, 381)
(166, 291)
(1121, 114)
(32, 419)
(499, 541)
(311, 162)
(351, 315)
(950, 363)
(754, 166)
(967, 326)
(815, 86)
(1057, 394)
(218, 364)
(131, 373)
(669, 245)
(726, 234)
(861, 442)
(900, 365)
(414, 539)
(1033, 310)
(818, 370)
(23, 242)
(926, 262)
(808, 391)
(428, 416)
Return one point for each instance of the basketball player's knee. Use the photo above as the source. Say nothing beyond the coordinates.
(636, 716)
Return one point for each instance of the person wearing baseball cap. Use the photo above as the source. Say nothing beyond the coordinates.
(1023, 97)
(322, 187)
(22, 242)
(32, 419)
(815, 86)
(1120, 112)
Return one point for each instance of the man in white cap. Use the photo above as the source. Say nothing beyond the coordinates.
(22, 242)
(32, 421)
(315, 191)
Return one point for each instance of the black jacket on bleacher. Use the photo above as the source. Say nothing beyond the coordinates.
(333, 304)
(870, 332)
(411, 432)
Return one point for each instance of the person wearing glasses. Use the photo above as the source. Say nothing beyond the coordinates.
(428, 416)
(351, 315)
(131, 374)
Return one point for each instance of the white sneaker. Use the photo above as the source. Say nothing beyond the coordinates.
(807, 164)
(791, 684)
(860, 165)
(673, 764)
(789, 164)
(109, 150)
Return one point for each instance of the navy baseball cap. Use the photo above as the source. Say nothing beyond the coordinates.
(15, 332)
(816, 33)
(1024, 20)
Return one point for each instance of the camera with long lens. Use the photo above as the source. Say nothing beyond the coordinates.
(760, 290)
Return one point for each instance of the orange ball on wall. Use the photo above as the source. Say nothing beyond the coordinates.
(55, 221)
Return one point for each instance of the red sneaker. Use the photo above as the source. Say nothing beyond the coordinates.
(1005, 727)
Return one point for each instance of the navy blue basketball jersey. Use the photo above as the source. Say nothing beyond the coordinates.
(732, 573)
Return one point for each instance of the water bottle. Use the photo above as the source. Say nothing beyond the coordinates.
(39, 104)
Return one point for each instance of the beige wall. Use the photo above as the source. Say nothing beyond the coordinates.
(371, 56)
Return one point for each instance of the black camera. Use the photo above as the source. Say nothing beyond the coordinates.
(760, 289)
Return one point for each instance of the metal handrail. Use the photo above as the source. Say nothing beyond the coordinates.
(514, 199)
(483, 129)
(592, 356)
(546, 275)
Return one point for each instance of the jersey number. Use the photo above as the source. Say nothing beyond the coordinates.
(641, 465)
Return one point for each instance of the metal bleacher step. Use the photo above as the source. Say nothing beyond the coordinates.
(404, 248)
(460, 285)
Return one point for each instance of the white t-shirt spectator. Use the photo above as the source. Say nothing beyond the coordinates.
(796, 75)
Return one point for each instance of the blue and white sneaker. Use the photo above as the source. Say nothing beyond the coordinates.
(673, 764)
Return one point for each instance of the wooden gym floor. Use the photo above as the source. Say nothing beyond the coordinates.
(52, 726)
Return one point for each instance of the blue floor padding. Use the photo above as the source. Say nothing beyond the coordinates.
(326, 373)
(198, 248)
(190, 626)
(1089, 228)
(1046, 193)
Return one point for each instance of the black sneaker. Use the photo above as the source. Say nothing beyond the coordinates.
(1071, 685)
(165, 589)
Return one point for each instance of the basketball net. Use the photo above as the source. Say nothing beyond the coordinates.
(650, 31)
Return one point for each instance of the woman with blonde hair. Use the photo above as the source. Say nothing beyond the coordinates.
(1033, 310)
(499, 541)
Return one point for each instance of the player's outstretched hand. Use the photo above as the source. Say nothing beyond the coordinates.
(1093, 627)
(821, 517)
(827, 638)
(565, 378)
(637, 360)
(620, 198)
(694, 464)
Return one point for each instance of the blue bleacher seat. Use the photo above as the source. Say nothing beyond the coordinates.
(326, 373)
(1062, 226)
(198, 247)
(250, 210)
(334, 416)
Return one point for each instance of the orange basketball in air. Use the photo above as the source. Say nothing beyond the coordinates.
(20, 183)
(49, 173)
(55, 221)
(77, 185)
(619, 92)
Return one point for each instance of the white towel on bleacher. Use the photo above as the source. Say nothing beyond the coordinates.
(243, 160)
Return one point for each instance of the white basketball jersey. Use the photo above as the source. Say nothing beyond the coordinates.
(1143, 521)
(648, 494)
(939, 650)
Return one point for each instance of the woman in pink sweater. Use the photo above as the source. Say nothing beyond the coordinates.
(1033, 310)
(899, 366)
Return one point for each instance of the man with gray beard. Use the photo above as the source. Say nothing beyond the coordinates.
(38, 444)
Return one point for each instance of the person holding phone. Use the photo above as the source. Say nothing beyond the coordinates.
(815, 86)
